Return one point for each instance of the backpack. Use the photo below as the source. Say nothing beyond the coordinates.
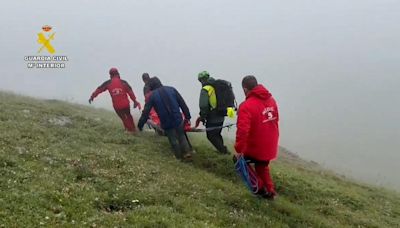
(225, 96)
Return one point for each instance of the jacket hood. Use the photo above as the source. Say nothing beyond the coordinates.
(260, 92)
(209, 81)
(113, 72)
(154, 83)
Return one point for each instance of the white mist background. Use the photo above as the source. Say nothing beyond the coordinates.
(332, 65)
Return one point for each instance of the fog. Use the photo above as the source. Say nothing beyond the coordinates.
(332, 65)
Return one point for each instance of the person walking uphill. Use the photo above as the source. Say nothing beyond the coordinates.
(168, 104)
(119, 91)
(209, 114)
(146, 80)
(257, 132)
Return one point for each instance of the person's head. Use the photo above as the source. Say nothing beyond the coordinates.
(113, 72)
(154, 83)
(248, 83)
(203, 77)
(145, 77)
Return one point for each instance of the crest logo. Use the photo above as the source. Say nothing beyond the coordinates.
(116, 91)
(269, 114)
(44, 38)
(46, 28)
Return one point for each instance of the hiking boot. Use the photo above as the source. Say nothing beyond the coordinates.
(187, 157)
(266, 195)
(269, 195)
(224, 150)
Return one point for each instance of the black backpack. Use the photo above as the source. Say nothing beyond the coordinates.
(225, 96)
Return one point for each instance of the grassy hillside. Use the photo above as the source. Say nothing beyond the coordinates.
(73, 166)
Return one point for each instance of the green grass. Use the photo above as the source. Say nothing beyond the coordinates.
(90, 173)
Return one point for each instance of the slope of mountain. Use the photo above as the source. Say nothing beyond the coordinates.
(69, 165)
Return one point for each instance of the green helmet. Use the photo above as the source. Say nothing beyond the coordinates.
(203, 75)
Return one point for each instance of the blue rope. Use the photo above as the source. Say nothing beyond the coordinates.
(247, 174)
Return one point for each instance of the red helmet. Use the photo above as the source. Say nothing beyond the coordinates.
(114, 72)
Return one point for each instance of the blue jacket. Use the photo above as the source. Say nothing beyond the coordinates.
(168, 104)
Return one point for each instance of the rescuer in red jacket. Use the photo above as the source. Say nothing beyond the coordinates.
(257, 132)
(119, 91)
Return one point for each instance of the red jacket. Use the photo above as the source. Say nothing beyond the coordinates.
(257, 132)
(119, 91)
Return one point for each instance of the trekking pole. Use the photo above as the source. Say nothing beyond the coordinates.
(211, 128)
(221, 127)
(187, 139)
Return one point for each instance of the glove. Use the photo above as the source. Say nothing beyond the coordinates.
(136, 104)
(235, 157)
(200, 119)
(187, 122)
(90, 100)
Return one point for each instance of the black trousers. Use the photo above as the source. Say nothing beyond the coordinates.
(215, 137)
(178, 141)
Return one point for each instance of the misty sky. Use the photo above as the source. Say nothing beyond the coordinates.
(332, 65)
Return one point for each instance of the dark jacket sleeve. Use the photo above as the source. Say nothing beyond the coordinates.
(100, 89)
(129, 90)
(182, 105)
(145, 114)
(204, 104)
